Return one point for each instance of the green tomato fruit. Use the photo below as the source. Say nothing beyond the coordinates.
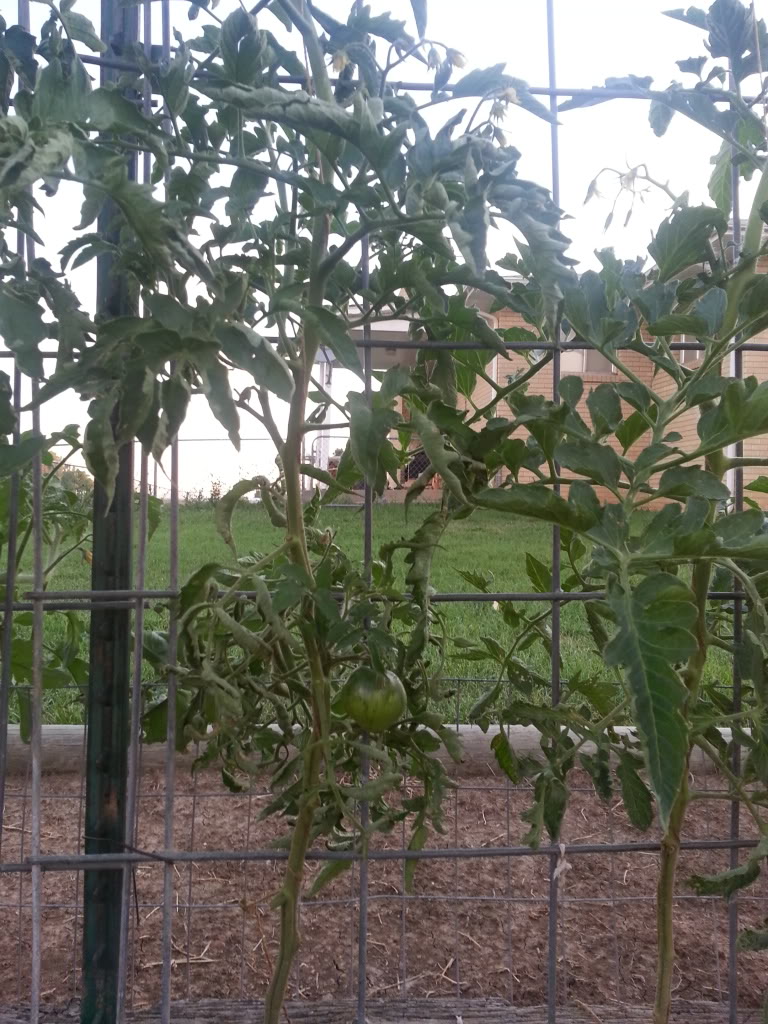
(374, 700)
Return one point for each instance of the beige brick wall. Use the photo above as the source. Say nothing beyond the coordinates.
(755, 363)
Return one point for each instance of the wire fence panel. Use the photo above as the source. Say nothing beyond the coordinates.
(557, 933)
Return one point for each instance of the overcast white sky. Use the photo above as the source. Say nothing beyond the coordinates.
(594, 39)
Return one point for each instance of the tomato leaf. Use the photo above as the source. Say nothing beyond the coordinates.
(334, 333)
(506, 757)
(15, 457)
(219, 395)
(655, 622)
(417, 842)
(81, 28)
(326, 874)
(635, 795)
(99, 445)
(419, 8)
(726, 883)
(226, 507)
(684, 239)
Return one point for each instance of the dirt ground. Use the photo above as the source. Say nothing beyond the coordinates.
(471, 927)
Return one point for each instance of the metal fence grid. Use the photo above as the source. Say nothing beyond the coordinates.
(172, 828)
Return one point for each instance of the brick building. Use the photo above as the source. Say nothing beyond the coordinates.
(594, 369)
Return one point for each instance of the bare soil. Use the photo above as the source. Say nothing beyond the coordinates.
(434, 1010)
(471, 928)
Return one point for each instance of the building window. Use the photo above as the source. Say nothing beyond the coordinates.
(687, 356)
(587, 360)
(596, 362)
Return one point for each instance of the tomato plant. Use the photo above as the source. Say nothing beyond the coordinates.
(298, 661)
(65, 532)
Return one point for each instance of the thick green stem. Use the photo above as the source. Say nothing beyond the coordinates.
(296, 543)
(670, 843)
(665, 896)
(750, 248)
(306, 27)
(291, 453)
(317, 749)
(295, 432)
(514, 385)
(289, 896)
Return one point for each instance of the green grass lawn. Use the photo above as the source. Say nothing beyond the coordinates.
(487, 541)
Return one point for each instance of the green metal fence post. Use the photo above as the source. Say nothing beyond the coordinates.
(108, 713)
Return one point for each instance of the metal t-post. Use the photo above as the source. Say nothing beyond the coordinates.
(108, 714)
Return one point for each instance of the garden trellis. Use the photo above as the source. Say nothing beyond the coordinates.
(117, 605)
